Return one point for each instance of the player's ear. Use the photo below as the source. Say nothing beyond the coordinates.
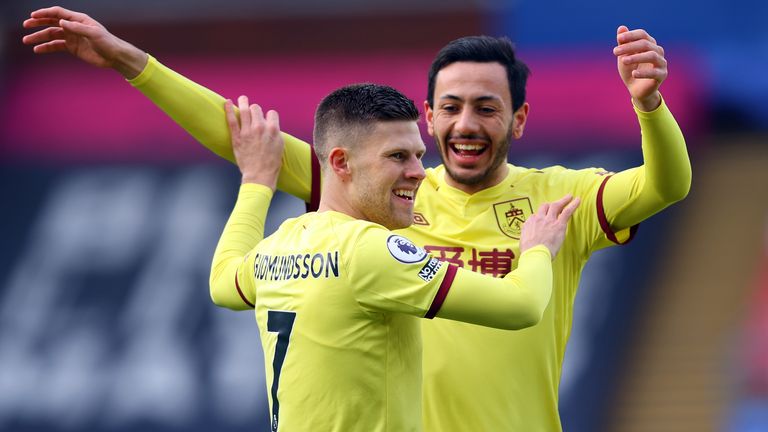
(430, 116)
(520, 117)
(338, 161)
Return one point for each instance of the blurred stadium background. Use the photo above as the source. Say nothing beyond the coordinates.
(111, 212)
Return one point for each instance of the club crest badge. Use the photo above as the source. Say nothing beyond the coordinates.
(404, 250)
(510, 216)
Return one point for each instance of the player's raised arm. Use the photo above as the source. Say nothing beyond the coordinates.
(665, 176)
(200, 112)
(257, 145)
(519, 299)
(195, 108)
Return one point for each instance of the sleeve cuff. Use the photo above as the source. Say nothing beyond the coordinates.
(146, 74)
(539, 249)
(651, 114)
(255, 189)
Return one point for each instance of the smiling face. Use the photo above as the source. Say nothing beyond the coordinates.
(385, 172)
(473, 122)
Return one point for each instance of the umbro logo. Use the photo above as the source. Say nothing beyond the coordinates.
(419, 219)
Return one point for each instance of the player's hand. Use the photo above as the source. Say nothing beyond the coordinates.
(547, 226)
(256, 142)
(641, 65)
(84, 38)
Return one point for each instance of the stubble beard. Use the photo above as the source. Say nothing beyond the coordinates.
(380, 210)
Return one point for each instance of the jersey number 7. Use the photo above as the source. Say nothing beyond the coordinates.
(280, 322)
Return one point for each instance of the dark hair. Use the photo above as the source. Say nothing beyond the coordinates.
(357, 106)
(483, 49)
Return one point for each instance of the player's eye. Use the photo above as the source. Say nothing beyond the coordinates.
(398, 156)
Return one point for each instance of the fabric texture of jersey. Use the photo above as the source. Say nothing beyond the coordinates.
(498, 380)
(345, 295)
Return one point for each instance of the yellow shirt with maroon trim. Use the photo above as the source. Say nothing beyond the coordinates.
(484, 379)
(337, 305)
(478, 378)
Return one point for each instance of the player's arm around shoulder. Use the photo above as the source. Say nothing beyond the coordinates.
(519, 299)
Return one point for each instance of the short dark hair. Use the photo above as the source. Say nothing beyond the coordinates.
(483, 49)
(357, 107)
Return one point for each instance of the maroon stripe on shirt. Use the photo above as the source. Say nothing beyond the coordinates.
(314, 187)
(242, 296)
(604, 220)
(442, 292)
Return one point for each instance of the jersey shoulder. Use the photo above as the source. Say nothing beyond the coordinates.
(325, 228)
(558, 179)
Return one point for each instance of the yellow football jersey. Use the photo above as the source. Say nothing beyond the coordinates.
(476, 378)
(337, 301)
(479, 378)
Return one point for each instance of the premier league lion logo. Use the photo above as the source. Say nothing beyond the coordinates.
(404, 250)
(405, 247)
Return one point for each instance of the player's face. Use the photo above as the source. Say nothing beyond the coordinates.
(473, 123)
(387, 172)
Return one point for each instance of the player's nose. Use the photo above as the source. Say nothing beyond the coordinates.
(467, 123)
(414, 169)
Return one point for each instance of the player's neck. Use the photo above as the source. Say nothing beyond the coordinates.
(492, 179)
(334, 199)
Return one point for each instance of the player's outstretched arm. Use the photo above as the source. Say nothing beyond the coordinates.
(665, 176)
(520, 298)
(200, 112)
(195, 108)
(257, 145)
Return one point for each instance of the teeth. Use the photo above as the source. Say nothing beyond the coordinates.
(469, 147)
(404, 193)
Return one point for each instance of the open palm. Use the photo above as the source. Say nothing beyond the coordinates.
(83, 37)
(78, 34)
